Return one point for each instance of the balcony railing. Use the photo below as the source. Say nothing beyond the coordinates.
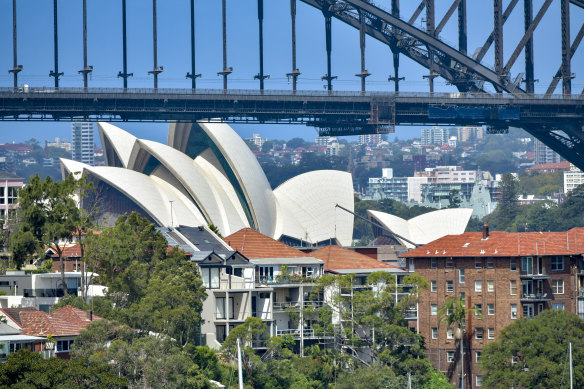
(533, 275)
(535, 297)
(47, 292)
(285, 305)
(411, 314)
(306, 333)
(291, 279)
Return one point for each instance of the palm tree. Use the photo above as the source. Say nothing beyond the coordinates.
(454, 312)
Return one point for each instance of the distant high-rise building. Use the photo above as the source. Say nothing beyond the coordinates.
(470, 133)
(434, 136)
(370, 139)
(544, 154)
(82, 145)
(257, 140)
(323, 140)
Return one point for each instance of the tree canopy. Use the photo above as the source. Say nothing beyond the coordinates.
(533, 353)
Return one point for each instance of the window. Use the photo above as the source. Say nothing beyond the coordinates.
(479, 380)
(490, 285)
(478, 263)
(558, 286)
(478, 309)
(412, 266)
(450, 356)
(557, 263)
(210, 277)
(449, 262)
(477, 356)
(513, 287)
(64, 345)
(449, 333)
(433, 263)
(491, 333)
(434, 333)
(12, 194)
(528, 310)
(450, 286)
(513, 311)
(512, 264)
(433, 286)
(491, 309)
(266, 273)
(461, 276)
(220, 308)
(478, 286)
(462, 298)
(558, 306)
(490, 263)
(434, 309)
(527, 265)
(479, 332)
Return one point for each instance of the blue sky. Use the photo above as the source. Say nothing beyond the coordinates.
(35, 51)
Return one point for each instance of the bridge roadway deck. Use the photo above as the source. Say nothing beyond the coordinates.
(339, 111)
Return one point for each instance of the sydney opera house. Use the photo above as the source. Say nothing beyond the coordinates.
(206, 174)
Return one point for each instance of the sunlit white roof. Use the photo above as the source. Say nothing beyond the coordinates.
(427, 227)
(115, 140)
(308, 206)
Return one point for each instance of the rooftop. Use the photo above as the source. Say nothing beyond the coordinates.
(503, 244)
(342, 260)
(253, 244)
(8, 176)
(65, 321)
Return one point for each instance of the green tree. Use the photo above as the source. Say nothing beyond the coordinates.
(454, 313)
(533, 353)
(26, 369)
(74, 301)
(48, 216)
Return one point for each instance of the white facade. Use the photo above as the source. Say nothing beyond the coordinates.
(257, 140)
(83, 146)
(424, 228)
(208, 175)
(572, 179)
(434, 136)
(370, 139)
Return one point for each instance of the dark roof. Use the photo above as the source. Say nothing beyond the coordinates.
(201, 238)
(8, 176)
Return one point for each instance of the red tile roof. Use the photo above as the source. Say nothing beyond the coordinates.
(65, 321)
(339, 258)
(73, 251)
(253, 244)
(555, 166)
(503, 244)
(14, 313)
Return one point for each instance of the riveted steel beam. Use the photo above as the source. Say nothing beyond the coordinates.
(558, 74)
(479, 57)
(447, 16)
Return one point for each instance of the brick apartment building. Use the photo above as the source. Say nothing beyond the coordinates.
(504, 275)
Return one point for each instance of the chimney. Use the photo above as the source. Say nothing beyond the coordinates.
(485, 231)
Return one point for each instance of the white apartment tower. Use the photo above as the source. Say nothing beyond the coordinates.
(434, 136)
(82, 145)
(370, 139)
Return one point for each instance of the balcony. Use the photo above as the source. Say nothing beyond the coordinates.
(525, 275)
(581, 293)
(283, 280)
(534, 297)
(411, 314)
(47, 292)
(307, 333)
(280, 306)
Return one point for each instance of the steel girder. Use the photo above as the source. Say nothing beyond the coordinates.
(451, 64)
(566, 140)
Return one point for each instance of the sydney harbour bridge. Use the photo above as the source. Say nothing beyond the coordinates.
(483, 95)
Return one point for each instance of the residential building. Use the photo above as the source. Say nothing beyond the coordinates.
(257, 140)
(63, 325)
(324, 140)
(41, 291)
(82, 144)
(543, 154)
(370, 139)
(551, 167)
(505, 276)
(434, 136)
(9, 186)
(465, 134)
(11, 339)
(333, 148)
(573, 178)
(16, 149)
(59, 143)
